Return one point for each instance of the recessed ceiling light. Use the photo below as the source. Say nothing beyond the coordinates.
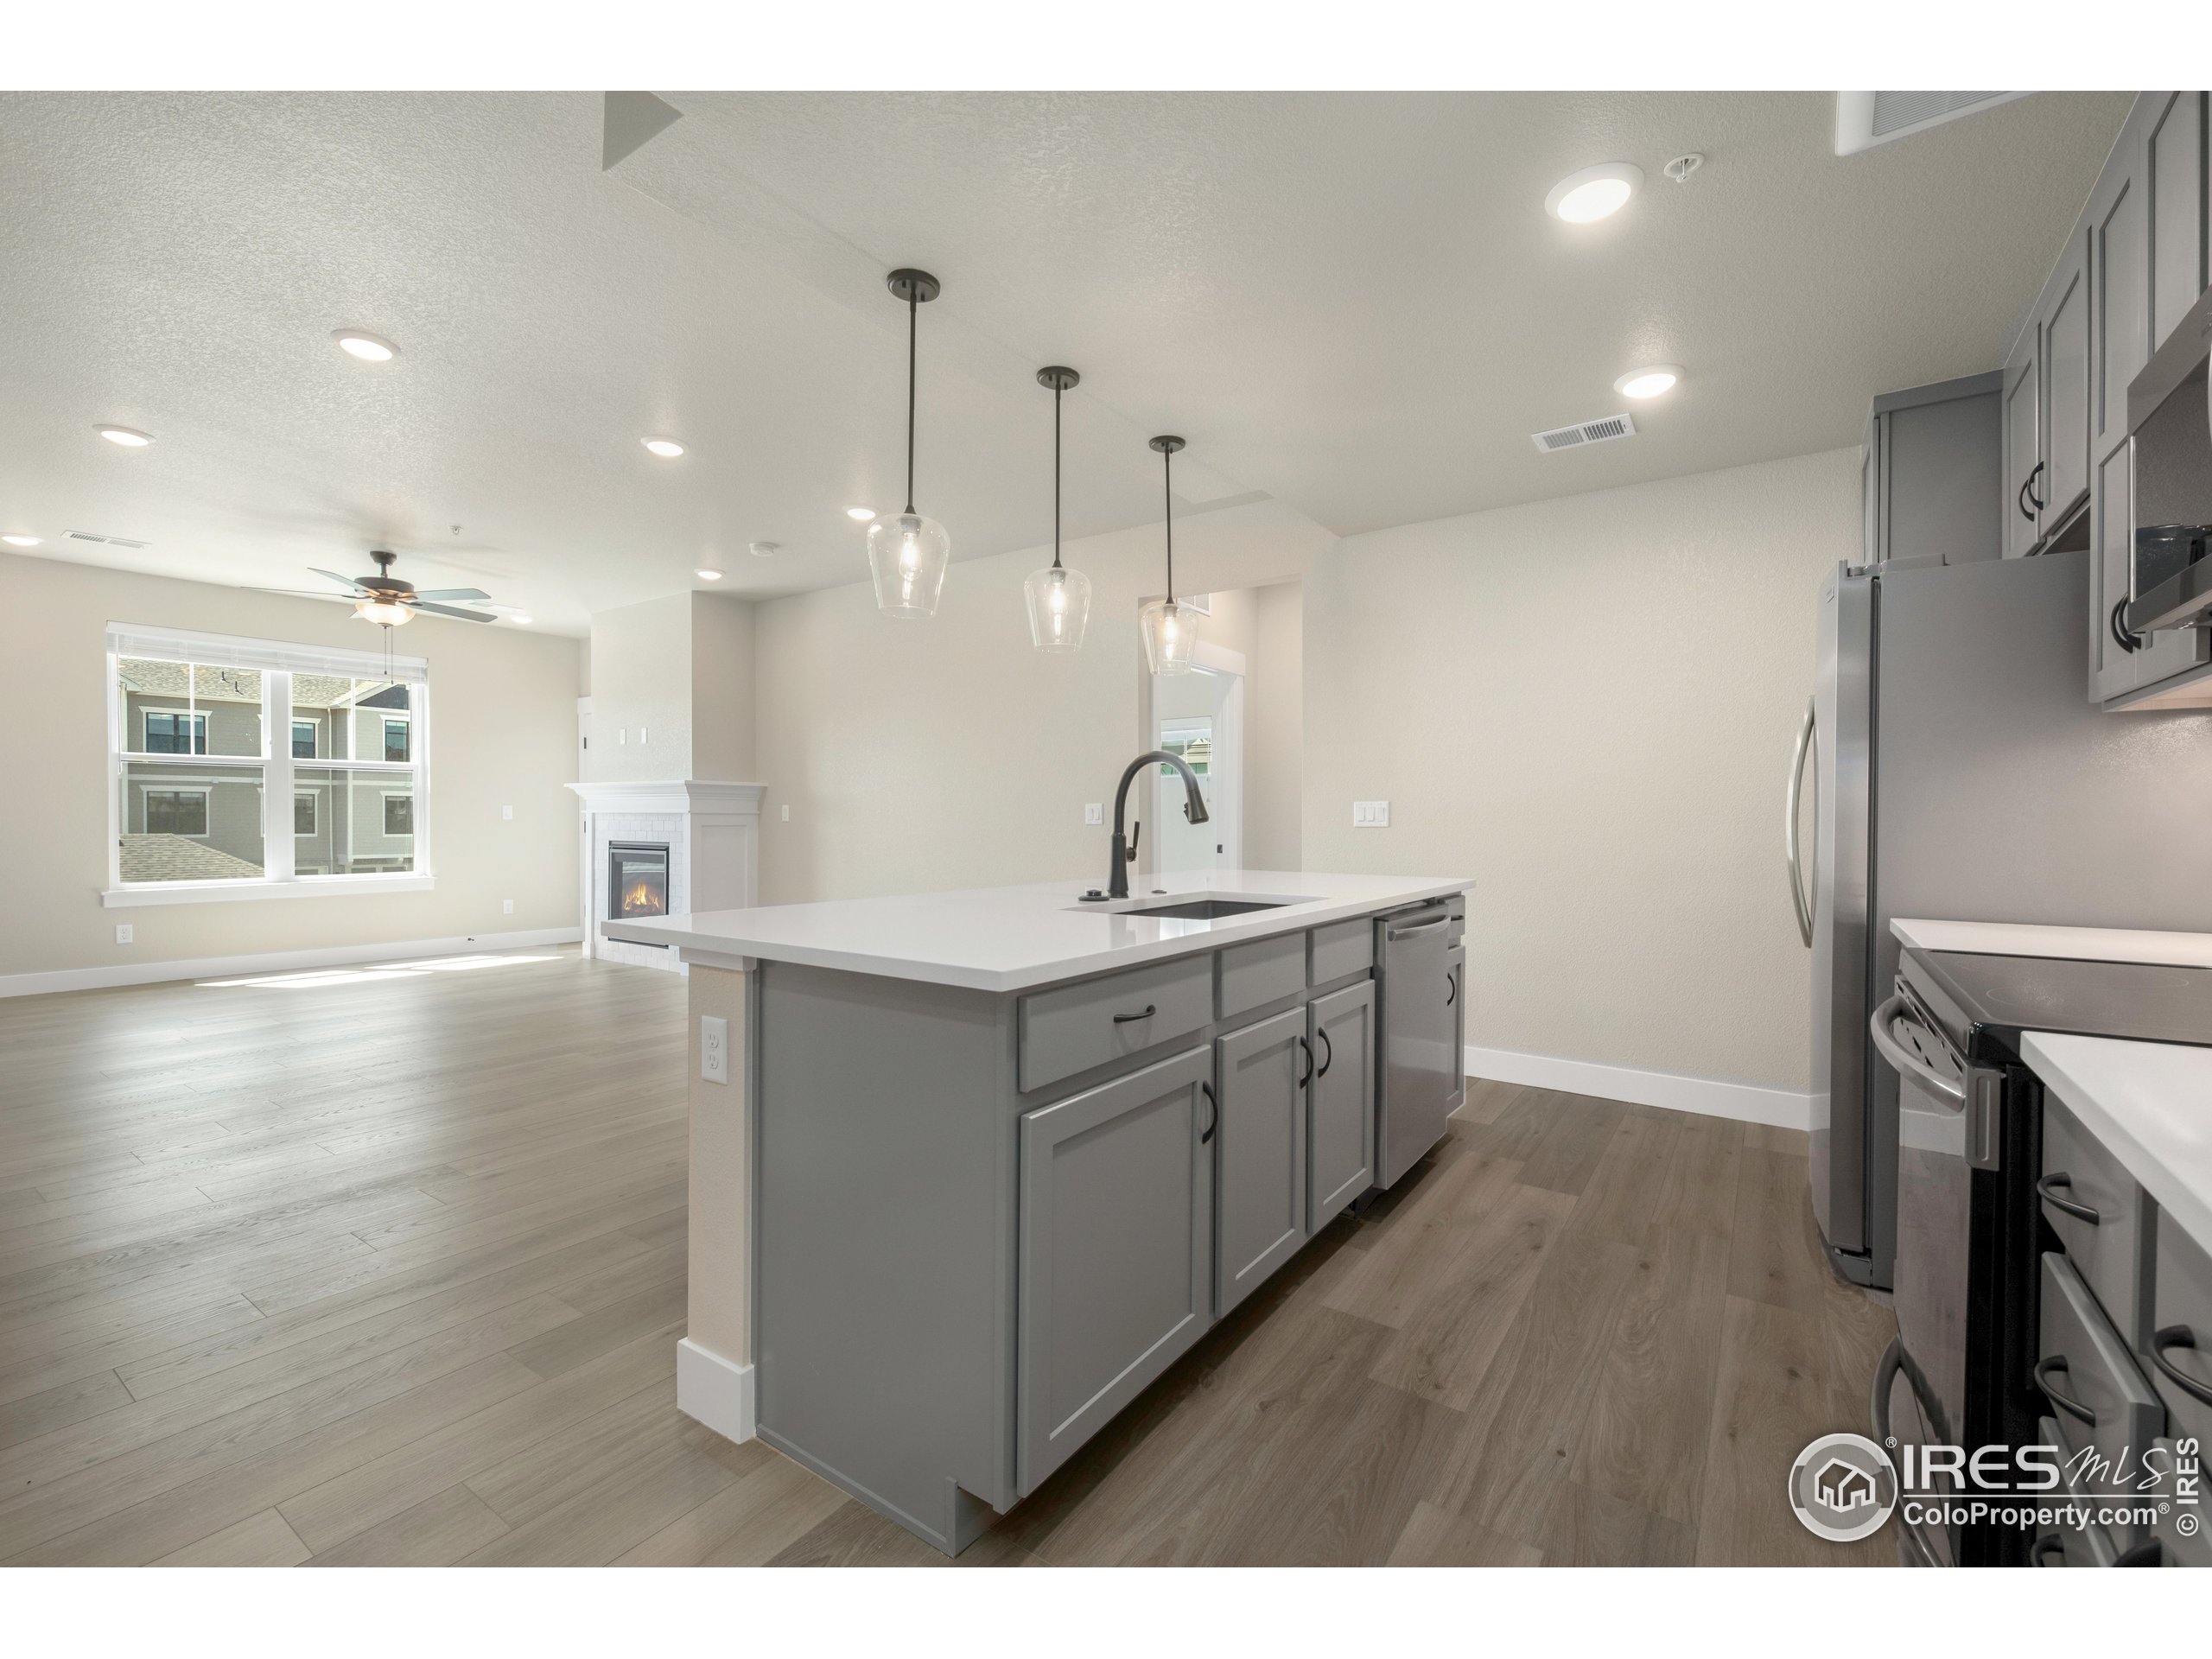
(763, 550)
(707, 575)
(125, 435)
(1648, 382)
(370, 348)
(666, 448)
(20, 541)
(522, 621)
(863, 514)
(1594, 192)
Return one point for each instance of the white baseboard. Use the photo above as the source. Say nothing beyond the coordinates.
(1748, 1102)
(278, 961)
(713, 1390)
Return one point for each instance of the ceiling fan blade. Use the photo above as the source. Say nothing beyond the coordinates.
(448, 610)
(452, 593)
(304, 593)
(347, 582)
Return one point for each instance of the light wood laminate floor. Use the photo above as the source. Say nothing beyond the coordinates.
(387, 1266)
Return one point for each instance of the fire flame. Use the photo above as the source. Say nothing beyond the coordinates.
(640, 901)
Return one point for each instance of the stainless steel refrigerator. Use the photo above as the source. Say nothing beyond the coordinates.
(1958, 770)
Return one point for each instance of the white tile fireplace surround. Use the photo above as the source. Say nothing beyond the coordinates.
(712, 832)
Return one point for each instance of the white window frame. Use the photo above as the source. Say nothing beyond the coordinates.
(205, 792)
(275, 766)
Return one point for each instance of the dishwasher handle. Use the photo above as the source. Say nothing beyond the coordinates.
(1908, 1064)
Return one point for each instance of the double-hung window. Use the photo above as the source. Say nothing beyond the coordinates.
(248, 768)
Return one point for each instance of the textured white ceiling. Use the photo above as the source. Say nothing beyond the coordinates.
(1353, 303)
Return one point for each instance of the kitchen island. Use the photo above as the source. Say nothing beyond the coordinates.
(970, 1170)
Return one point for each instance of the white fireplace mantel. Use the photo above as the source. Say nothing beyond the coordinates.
(712, 834)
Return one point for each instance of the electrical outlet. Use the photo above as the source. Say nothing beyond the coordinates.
(125, 933)
(1371, 815)
(507, 811)
(713, 1048)
(787, 814)
(1094, 812)
(506, 906)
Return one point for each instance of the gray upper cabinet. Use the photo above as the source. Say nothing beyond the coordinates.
(1116, 1256)
(1933, 465)
(2174, 165)
(2023, 463)
(1260, 1154)
(2066, 389)
(2119, 344)
(1340, 1102)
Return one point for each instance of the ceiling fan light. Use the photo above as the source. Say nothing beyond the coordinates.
(385, 613)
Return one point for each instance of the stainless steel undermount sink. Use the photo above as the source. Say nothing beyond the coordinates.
(1206, 910)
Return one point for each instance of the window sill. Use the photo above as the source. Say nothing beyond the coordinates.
(306, 887)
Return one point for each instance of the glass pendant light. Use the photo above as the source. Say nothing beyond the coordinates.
(906, 552)
(1170, 632)
(1059, 599)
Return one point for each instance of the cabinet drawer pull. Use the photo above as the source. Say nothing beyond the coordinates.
(2178, 1336)
(1150, 1008)
(2146, 1554)
(2073, 1207)
(1450, 986)
(2065, 1403)
(1328, 1051)
(2047, 1551)
(1213, 1113)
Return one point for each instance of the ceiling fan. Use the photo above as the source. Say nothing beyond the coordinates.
(389, 600)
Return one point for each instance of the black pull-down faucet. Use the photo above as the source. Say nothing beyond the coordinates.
(1117, 880)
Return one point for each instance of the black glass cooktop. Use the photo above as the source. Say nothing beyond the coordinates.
(2003, 996)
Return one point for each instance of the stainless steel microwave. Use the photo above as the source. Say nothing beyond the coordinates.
(2170, 433)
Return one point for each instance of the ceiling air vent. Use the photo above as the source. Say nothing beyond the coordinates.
(99, 541)
(1582, 434)
(1865, 119)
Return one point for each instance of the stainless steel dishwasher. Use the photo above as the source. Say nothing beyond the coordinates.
(1419, 973)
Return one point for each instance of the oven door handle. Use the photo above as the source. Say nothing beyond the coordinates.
(1885, 1374)
(1908, 1064)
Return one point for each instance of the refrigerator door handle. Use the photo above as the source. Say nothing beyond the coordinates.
(1799, 900)
(1908, 1064)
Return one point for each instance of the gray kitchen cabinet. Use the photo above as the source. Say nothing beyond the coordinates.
(1933, 462)
(2023, 463)
(1260, 1152)
(2173, 164)
(1455, 968)
(2119, 344)
(1117, 1253)
(1340, 1102)
(2065, 322)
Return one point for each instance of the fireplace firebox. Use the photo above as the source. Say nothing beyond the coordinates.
(636, 879)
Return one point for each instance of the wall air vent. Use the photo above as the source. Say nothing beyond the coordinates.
(99, 541)
(1582, 434)
(1865, 119)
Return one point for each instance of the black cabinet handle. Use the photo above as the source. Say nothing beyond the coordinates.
(1308, 1050)
(2126, 641)
(2065, 1403)
(1213, 1113)
(2043, 1548)
(2030, 486)
(2073, 1207)
(2146, 1554)
(2020, 500)
(1149, 1010)
(1328, 1050)
(2178, 1336)
(1451, 986)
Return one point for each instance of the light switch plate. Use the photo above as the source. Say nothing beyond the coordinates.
(507, 811)
(1371, 815)
(506, 906)
(787, 814)
(713, 1048)
(1094, 812)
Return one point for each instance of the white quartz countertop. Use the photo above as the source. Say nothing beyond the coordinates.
(2150, 1103)
(2076, 943)
(1012, 938)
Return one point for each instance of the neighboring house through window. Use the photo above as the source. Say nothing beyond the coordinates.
(212, 736)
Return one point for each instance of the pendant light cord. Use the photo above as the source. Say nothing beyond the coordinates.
(913, 310)
(1167, 502)
(1056, 476)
